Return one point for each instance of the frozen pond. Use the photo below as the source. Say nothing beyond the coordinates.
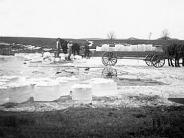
(20, 80)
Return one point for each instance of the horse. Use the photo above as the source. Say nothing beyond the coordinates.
(176, 52)
(75, 49)
(179, 55)
(182, 55)
(61, 44)
(169, 52)
(64, 45)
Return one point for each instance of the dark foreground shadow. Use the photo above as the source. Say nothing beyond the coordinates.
(177, 100)
(86, 121)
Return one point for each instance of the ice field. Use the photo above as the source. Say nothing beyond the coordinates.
(20, 79)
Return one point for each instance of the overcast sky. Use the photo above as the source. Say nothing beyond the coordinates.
(91, 18)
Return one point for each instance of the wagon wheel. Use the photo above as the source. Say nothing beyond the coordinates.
(148, 59)
(109, 58)
(109, 72)
(158, 61)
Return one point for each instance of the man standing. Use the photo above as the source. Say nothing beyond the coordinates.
(64, 46)
(86, 51)
(58, 47)
(69, 45)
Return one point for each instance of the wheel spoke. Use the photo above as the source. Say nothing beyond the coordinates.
(113, 61)
(110, 62)
(106, 59)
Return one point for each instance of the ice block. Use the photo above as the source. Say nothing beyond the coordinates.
(103, 87)
(82, 93)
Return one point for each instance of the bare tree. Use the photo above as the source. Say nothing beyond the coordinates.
(111, 35)
(165, 34)
(150, 34)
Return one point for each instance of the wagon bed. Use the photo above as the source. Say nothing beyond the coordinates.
(155, 58)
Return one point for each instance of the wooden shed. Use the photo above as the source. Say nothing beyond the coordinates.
(5, 49)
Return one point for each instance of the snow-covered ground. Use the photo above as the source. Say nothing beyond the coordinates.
(19, 80)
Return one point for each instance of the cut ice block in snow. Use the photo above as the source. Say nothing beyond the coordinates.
(105, 47)
(148, 47)
(103, 87)
(112, 49)
(133, 48)
(20, 94)
(118, 47)
(125, 48)
(98, 48)
(82, 93)
(47, 93)
(141, 47)
(66, 83)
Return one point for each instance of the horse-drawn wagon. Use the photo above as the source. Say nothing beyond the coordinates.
(154, 58)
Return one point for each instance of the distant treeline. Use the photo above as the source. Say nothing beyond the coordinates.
(51, 42)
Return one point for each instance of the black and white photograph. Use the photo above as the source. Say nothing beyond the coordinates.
(91, 69)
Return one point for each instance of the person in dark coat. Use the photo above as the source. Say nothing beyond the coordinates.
(69, 45)
(86, 51)
(64, 46)
(58, 47)
(75, 49)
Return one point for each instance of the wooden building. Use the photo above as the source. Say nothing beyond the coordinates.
(5, 49)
